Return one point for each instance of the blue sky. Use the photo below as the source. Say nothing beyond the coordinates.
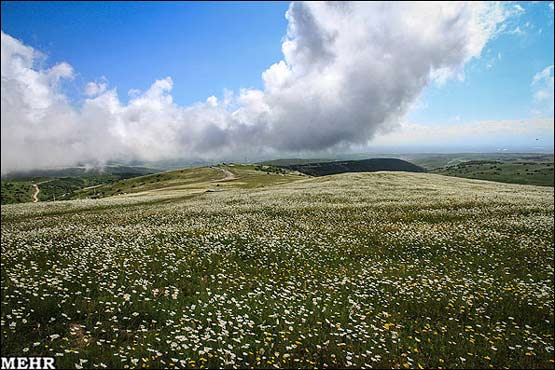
(500, 91)
(208, 46)
(343, 80)
(205, 46)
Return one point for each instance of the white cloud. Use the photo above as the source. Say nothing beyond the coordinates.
(93, 88)
(350, 71)
(516, 31)
(212, 101)
(545, 75)
(542, 85)
(60, 71)
(133, 93)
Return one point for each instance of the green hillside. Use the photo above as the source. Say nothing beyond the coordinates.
(532, 173)
(198, 179)
(16, 191)
(365, 165)
(59, 184)
(432, 161)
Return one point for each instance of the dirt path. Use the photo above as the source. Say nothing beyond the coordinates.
(37, 191)
(229, 176)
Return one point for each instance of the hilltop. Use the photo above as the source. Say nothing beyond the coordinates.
(192, 180)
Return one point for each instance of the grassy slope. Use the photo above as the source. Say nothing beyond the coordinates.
(429, 161)
(532, 173)
(512, 170)
(50, 188)
(434, 161)
(374, 269)
(190, 180)
(365, 165)
(62, 183)
(16, 192)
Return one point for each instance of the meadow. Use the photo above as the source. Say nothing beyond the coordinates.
(383, 270)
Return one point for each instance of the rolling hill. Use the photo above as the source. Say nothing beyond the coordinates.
(365, 165)
(517, 172)
(17, 187)
(191, 180)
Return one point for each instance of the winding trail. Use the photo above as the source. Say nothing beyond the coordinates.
(37, 191)
(229, 176)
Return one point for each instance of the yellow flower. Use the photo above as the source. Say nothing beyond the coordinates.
(388, 325)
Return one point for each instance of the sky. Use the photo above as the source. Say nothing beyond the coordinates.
(204, 46)
(99, 81)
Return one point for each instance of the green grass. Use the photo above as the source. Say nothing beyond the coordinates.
(192, 179)
(20, 191)
(436, 161)
(61, 184)
(184, 178)
(353, 270)
(16, 191)
(532, 173)
(364, 165)
(537, 170)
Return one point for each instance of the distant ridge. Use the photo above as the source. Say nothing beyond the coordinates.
(123, 171)
(294, 161)
(365, 165)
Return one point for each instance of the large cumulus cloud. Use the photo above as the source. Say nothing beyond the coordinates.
(349, 71)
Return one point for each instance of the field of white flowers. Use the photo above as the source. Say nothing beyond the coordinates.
(354, 270)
